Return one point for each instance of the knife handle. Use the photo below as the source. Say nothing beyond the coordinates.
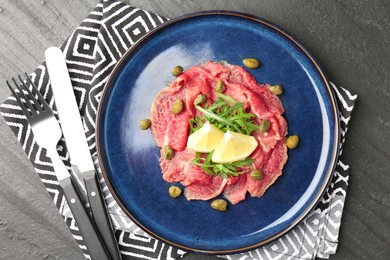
(100, 214)
(96, 248)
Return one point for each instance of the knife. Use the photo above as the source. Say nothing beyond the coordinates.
(76, 142)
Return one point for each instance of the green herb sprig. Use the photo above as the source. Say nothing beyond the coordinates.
(223, 169)
(226, 114)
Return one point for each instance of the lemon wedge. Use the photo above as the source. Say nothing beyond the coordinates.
(234, 147)
(205, 139)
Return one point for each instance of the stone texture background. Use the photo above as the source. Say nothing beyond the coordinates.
(350, 39)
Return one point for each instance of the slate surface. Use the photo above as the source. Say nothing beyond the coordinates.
(351, 40)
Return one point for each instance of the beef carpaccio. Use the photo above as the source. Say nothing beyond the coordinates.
(173, 130)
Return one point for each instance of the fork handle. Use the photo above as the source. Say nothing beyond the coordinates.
(95, 246)
(58, 165)
(88, 231)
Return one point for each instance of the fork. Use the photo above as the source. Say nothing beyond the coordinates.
(47, 133)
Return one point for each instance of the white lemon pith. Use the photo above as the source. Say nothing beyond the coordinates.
(228, 147)
(234, 147)
(205, 139)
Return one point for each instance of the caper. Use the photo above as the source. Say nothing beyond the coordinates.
(174, 191)
(220, 86)
(177, 71)
(251, 63)
(276, 89)
(219, 204)
(144, 124)
(292, 141)
(167, 152)
(200, 99)
(256, 174)
(264, 125)
(177, 106)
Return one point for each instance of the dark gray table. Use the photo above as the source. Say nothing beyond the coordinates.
(351, 39)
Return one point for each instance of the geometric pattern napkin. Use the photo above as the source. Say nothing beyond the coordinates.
(91, 53)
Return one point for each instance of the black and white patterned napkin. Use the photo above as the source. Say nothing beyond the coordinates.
(91, 53)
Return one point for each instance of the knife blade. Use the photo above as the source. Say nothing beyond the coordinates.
(76, 142)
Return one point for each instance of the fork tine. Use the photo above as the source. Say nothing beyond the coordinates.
(27, 102)
(22, 106)
(40, 97)
(31, 96)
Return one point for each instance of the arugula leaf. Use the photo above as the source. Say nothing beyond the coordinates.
(226, 114)
(195, 124)
(224, 169)
(226, 97)
(210, 115)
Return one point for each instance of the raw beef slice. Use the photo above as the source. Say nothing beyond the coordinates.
(173, 130)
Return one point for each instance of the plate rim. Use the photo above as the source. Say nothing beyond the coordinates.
(336, 144)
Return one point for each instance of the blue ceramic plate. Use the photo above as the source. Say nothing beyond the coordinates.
(129, 157)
